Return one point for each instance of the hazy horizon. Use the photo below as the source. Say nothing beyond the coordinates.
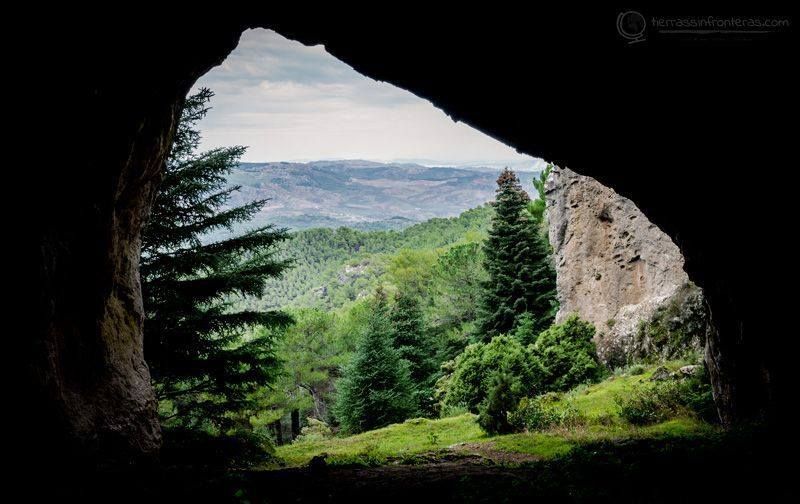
(291, 102)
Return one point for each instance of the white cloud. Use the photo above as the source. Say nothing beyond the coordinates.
(287, 101)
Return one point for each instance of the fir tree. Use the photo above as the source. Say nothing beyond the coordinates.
(201, 365)
(412, 342)
(521, 277)
(503, 396)
(376, 388)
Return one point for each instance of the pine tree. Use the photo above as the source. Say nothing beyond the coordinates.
(376, 388)
(411, 340)
(201, 365)
(521, 277)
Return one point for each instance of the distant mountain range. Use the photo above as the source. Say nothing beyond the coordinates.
(362, 194)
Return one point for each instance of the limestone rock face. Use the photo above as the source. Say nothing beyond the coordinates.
(614, 267)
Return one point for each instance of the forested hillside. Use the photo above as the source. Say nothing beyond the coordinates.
(334, 266)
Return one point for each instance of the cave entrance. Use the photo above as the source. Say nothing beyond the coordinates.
(383, 198)
(379, 200)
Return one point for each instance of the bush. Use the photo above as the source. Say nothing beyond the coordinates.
(316, 430)
(568, 354)
(636, 369)
(662, 400)
(648, 404)
(698, 397)
(503, 396)
(452, 410)
(539, 413)
(471, 374)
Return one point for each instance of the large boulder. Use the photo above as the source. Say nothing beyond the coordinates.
(619, 271)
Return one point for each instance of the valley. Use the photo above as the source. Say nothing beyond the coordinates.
(362, 195)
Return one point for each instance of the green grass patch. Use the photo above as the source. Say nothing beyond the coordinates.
(559, 442)
(538, 444)
(415, 436)
(421, 440)
(597, 401)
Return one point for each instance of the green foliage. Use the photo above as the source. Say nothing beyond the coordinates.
(525, 331)
(402, 440)
(322, 257)
(675, 330)
(544, 412)
(504, 393)
(658, 401)
(471, 374)
(536, 208)
(456, 285)
(204, 371)
(315, 430)
(650, 404)
(521, 277)
(411, 271)
(568, 355)
(412, 341)
(312, 351)
(583, 417)
(376, 388)
(636, 369)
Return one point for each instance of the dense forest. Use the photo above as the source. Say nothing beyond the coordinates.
(265, 338)
(331, 267)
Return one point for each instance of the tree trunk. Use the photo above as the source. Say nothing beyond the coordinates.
(277, 429)
(295, 423)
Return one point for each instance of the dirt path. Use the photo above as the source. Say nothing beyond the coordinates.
(489, 453)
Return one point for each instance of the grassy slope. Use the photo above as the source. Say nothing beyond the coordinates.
(421, 436)
(415, 436)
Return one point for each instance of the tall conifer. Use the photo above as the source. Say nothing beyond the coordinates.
(413, 342)
(521, 277)
(376, 388)
(201, 365)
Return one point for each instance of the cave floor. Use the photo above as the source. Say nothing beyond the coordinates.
(731, 467)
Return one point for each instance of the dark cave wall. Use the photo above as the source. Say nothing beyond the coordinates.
(667, 124)
(91, 400)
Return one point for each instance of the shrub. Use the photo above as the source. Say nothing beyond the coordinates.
(316, 430)
(539, 413)
(696, 394)
(677, 329)
(659, 401)
(470, 380)
(648, 404)
(636, 369)
(503, 396)
(568, 355)
(452, 410)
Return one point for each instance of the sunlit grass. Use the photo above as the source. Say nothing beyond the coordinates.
(411, 437)
(404, 441)
(597, 401)
(557, 442)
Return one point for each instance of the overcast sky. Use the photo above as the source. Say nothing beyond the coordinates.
(290, 102)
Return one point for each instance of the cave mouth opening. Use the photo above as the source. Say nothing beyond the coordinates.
(372, 183)
(349, 165)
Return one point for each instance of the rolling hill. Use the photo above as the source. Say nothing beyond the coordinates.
(361, 195)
